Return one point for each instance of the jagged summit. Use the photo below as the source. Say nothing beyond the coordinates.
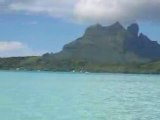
(98, 29)
(117, 25)
(114, 25)
(133, 29)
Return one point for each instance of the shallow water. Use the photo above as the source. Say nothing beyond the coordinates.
(73, 96)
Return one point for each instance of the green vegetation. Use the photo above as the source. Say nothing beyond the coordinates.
(37, 63)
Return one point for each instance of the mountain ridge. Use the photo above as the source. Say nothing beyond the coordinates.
(114, 42)
(111, 48)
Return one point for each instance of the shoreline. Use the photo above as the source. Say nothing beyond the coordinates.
(78, 72)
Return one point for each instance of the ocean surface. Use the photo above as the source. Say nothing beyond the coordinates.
(75, 96)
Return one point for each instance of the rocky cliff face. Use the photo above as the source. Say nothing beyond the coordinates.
(141, 45)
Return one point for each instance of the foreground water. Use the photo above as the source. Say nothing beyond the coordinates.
(72, 96)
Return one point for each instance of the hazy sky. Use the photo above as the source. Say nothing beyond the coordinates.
(33, 27)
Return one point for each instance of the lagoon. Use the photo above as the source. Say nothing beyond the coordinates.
(78, 96)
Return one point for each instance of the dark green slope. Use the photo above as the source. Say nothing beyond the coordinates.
(23, 63)
(99, 45)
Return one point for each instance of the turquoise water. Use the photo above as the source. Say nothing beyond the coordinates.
(73, 96)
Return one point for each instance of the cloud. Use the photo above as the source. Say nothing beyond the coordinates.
(15, 48)
(117, 10)
(10, 46)
(103, 11)
(55, 8)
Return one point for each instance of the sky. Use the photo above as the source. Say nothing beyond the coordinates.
(34, 27)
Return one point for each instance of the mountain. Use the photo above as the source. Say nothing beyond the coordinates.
(112, 45)
(111, 48)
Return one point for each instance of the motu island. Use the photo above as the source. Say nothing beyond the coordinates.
(101, 49)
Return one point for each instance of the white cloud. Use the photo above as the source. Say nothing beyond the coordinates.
(15, 48)
(104, 11)
(9, 46)
(117, 10)
(55, 8)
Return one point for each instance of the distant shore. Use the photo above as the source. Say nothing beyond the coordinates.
(79, 72)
